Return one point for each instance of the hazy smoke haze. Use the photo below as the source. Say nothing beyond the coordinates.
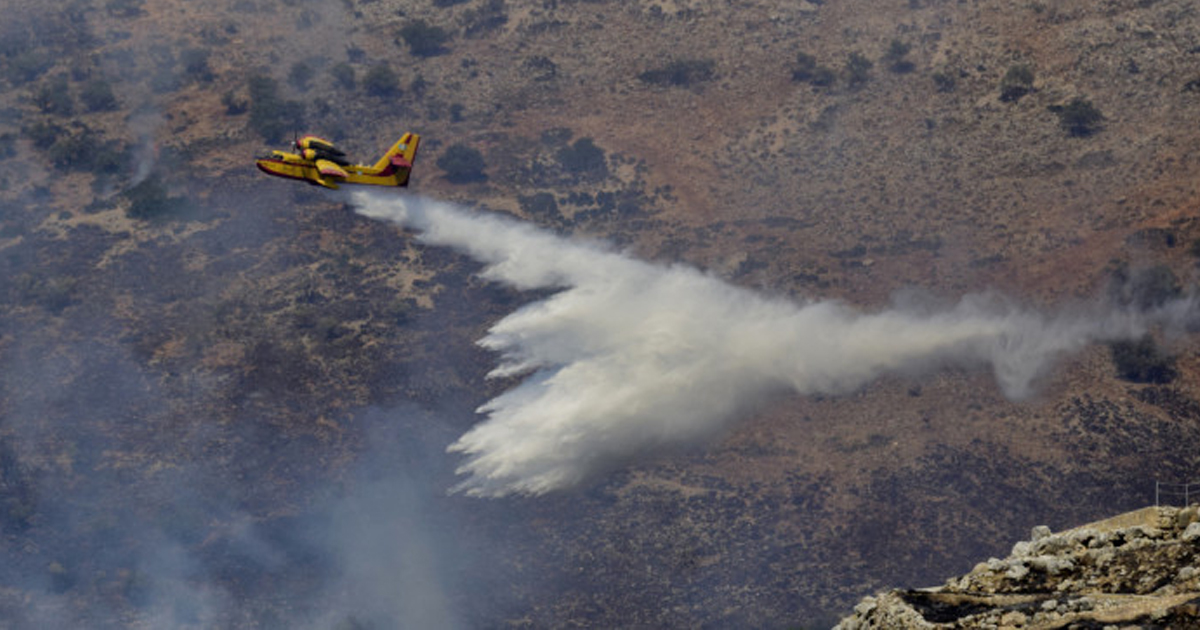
(631, 357)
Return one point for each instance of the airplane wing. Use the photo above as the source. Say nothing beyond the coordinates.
(329, 169)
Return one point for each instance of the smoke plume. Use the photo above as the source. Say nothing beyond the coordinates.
(630, 357)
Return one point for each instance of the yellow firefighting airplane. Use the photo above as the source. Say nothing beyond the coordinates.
(318, 162)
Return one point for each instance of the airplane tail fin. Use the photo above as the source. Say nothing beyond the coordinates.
(398, 160)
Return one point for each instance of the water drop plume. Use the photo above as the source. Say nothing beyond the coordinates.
(630, 357)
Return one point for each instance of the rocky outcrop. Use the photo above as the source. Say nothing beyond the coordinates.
(1136, 570)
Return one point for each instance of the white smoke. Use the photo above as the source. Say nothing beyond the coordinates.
(631, 357)
(145, 153)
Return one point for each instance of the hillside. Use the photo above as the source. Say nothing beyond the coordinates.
(225, 398)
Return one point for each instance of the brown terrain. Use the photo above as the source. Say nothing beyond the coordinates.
(225, 398)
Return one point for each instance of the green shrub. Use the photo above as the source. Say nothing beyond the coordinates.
(944, 81)
(1144, 289)
(72, 151)
(195, 65)
(1079, 118)
(234, 105)
(124, 8)
(8, 145)
(807, 70)
(97, 96)
(462, 164)
(1017, 82)
(27, 66)
(53, 293)
(1141, 361)
(424, 39)
(683, 73)
(83, 149)
(300, 75)
(150, 200)
(540, 68)
(382, 81)
(18, 506)
(857, 69)
(42, 134)
(896, 57)
(540, 204)
(344, 76)
(418, 86)
(488, 16)
(54, 97)
(583, 157)
(270, 115)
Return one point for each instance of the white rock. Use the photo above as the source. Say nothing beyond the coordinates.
(1052, 544)
(1101, 557)
(865, 606)
(1083, 536)
(1016, 571)
(1052, 565)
